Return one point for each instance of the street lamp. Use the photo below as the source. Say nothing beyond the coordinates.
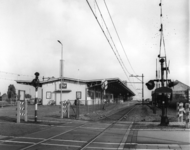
(142, 85)
(61, 68)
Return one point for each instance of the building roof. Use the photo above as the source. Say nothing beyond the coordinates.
(114, 84)
(180, 86)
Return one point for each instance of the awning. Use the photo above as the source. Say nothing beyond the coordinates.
(63, 91)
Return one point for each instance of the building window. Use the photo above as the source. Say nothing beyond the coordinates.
(48, 95)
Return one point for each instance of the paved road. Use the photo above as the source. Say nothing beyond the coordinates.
(106, 134)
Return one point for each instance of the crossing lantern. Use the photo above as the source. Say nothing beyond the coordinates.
(150, 84)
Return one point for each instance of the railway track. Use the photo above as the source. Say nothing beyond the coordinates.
(116, 117)
(109, 133)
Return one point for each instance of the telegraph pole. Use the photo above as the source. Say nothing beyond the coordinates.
(142, 81)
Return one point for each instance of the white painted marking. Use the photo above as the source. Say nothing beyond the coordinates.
(69, 140)
(60, 145)
(121, 146)
(22, 142)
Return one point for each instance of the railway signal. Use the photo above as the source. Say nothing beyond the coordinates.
(36, 83)
(150, 84)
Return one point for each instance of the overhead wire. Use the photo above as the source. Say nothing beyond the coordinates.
(120, 62)
(10, 73)
(110, 36)
(118, 36)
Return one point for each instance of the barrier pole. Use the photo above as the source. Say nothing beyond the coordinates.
(26, 111)
(36, 106)
(18, 112)
(68, 109)
(61, 109)
(77, 109)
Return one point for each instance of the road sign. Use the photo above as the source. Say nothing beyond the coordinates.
(64, 86)
(104, 84)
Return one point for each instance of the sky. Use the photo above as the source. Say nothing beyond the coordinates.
(29, 31)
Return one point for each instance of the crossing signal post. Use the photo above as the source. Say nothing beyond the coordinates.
(36, 83)
(164, 90)
(142, 85)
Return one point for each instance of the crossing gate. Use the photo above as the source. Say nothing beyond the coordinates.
(22, 110)
(180, 111)
(65, 109)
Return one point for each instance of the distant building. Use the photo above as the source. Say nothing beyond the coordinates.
(4, 97)
(91, 90)
(181, 92)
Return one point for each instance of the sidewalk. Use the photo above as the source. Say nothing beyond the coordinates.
(149, 135)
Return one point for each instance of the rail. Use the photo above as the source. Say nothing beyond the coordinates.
(93, 139)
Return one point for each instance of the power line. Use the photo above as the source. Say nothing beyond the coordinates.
(110, 36)
(107, 37)
(6, 79)
(10, 73)
(118, 36)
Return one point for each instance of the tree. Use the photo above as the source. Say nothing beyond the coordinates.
(11, 93)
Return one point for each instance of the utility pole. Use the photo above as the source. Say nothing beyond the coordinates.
(142, 81)
(61, 69)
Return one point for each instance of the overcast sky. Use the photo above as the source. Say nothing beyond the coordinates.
(29, 30)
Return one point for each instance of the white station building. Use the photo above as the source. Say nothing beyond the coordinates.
(91, 90)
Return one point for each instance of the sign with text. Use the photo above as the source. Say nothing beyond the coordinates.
(78, 95)
(63, 85)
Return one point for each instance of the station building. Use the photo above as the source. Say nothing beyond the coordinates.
(91, 90)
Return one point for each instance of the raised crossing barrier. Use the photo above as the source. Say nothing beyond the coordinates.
(180, 111)
(65, 108)
(22, 110)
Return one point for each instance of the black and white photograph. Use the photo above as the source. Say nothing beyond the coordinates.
(94, 75)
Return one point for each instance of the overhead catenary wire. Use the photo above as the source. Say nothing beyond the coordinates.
(15, 74)
(107, 39)
(118, 36)
(110, 36)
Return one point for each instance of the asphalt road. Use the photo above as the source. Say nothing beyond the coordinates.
(112, 133)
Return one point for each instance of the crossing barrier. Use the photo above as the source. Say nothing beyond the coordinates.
(65, 109)
(180, 111)
(22, 110)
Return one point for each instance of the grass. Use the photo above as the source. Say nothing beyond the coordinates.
(13, 129)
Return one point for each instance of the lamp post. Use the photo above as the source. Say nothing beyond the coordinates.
(61, 68)
(142, 85)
